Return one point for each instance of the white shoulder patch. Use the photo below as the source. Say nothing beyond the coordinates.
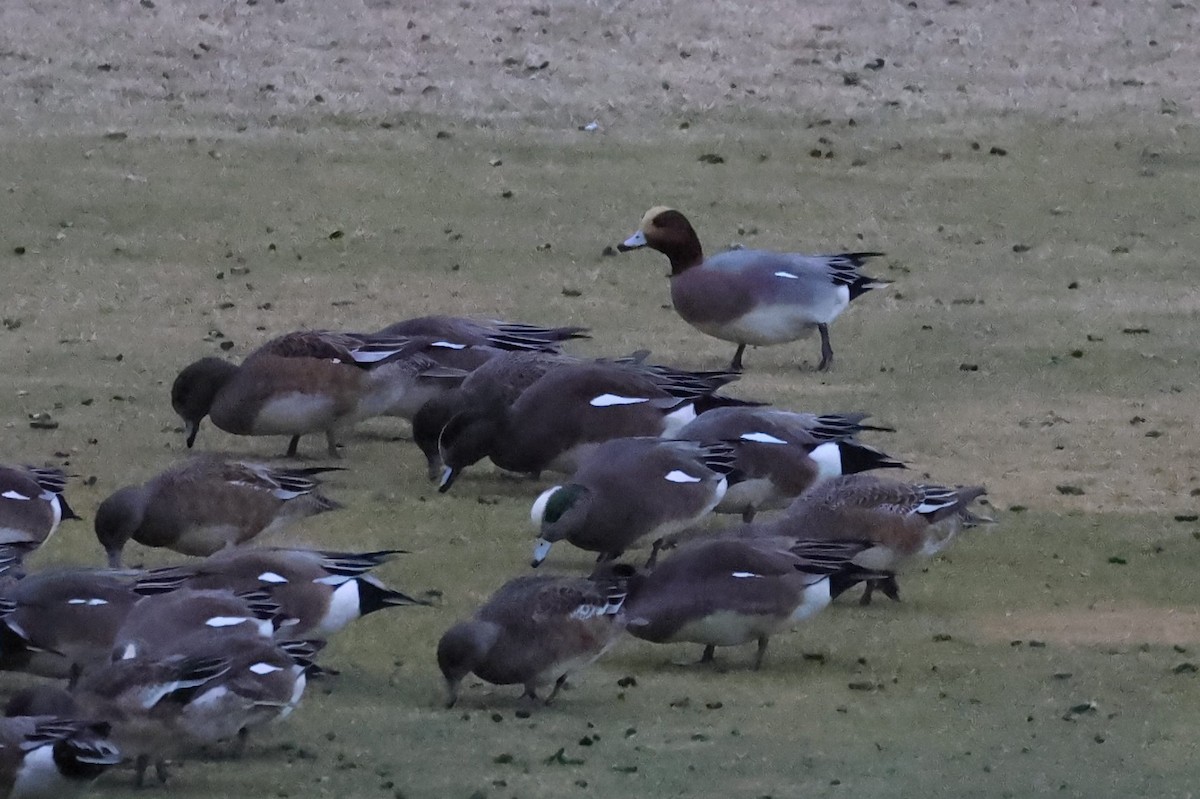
(449, 345)
(604, 400)
(677, 476)
(89, 601)
(10, 494)
(788, 275)
(226, 621)
(761, 438)
(271, 577)
(264, 668)
(744, 575)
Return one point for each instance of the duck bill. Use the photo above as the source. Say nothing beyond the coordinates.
(634, 242)
(190, 428)
(449, 475)
(541, 548)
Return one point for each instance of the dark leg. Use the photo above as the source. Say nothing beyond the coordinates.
(655, 548)
(139, 770)
(736, 363)
(826, 349)
(558, 684)
(160, 770)
(331, 444)
(748, 513)
(293, 445)
(762, 652)
(709, 651)
(868, 589)
(530, 694)
(890, 588)
(239, 744)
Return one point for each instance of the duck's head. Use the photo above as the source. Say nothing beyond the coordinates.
(556, 513)
(195, 389)
(668, 231)
(461, 650)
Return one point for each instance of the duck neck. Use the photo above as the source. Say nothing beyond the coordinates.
(684, 254)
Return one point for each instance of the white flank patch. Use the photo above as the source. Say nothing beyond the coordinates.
(227, 621)
(541, 548)
(675, 420)
(38, 774)
(332, 579)
(297, 693)
(130, 652)
(788, 275)
(605, 400)
(829, 460)
(344, 607)
(745, 574)
(264, 668)
(450, 345)
(677, 476)
(90, 602)
(10, 494)
(271, 577)
(815, 599)
(538, 511)
(762, 438)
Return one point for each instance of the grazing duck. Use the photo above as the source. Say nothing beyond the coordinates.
(729, 591)
(515, 336)
(569, 408)
(534, 631)
(50, 758)
(318, 593)
(754, 297)
(300, 383)
(144, 702)
(781, 454)
(31, 506)
(629, 489)
(62, 622)
(156, 624)
(207, 504)
(902, 521)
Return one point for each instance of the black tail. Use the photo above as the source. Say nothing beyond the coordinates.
(858, 457)
(373, 596)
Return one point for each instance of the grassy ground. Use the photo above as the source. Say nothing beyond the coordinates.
(1039, 339)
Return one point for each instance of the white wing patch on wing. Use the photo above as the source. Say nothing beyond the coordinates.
(89, 601)
(264, 668)
(10, 494)
(788, 275)
(744, 575)
(271, 577)
(605, 400)
(762, 438)
(677, 476)
(449, 345)
(226, 621)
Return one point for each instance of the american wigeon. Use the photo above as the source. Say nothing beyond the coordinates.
(318, 592)
(300, 383)
(490, 333)
(571, 407)
(903, 522)
(729, 591)
(60, 622)
(156, 623)
(629, 489)
(144, 702)
(534, 631)
(754, 297)
(50, 758)
(781, 454)
(31, 506)
(205, 504)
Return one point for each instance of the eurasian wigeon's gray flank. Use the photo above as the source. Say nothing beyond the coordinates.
(300, 383)
(534, 631)
(514, 336)
(630, 489)
(729, 591)
(754, 297)
(206, 504)
(61, 622)
(902, 521)
(52, 758)
(318, 593)
(781, 454)
(31, 507)
(569, 408)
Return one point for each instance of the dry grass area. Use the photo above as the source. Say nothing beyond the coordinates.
(171, 184)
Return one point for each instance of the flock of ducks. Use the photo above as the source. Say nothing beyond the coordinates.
(146, 665)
